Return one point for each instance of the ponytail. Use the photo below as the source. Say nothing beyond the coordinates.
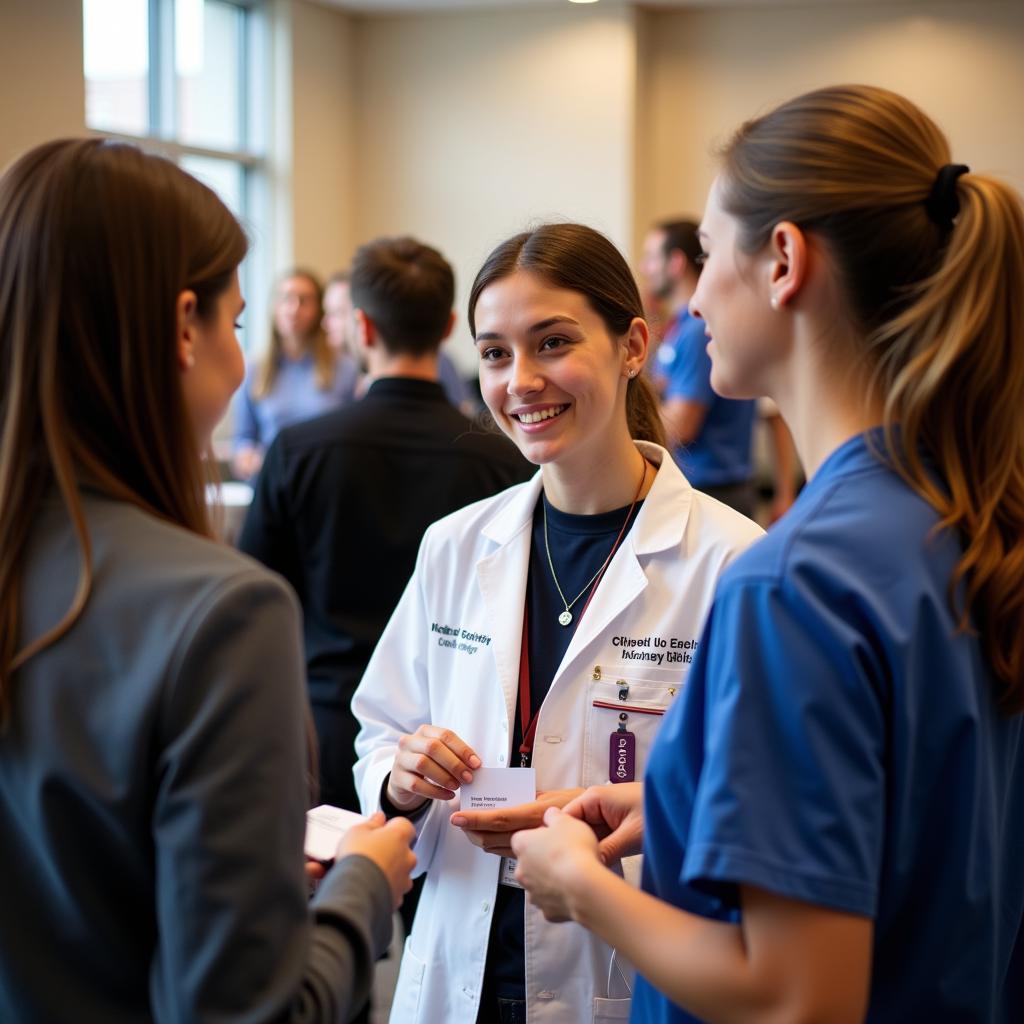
(643, 414)
(952, 374)
(932, 266)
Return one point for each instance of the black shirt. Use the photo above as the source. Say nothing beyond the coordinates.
(340, 509)
(579, 545)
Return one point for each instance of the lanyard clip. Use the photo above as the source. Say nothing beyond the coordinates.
(623, 719)
(623, 689)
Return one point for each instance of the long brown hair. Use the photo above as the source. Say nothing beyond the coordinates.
(935, 282)
(97, 241)
(580, 259)
(317, 345)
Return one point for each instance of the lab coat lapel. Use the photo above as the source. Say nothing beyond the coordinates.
(501, 577)
(659, 525)
(622, 582)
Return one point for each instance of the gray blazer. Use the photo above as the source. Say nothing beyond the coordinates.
(152, 795)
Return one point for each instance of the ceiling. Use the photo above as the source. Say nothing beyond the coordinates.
(394, 6)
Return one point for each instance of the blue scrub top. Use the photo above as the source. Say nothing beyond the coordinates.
(721, 453)
(838, 743)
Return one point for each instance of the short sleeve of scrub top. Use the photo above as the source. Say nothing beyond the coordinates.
(770, 771)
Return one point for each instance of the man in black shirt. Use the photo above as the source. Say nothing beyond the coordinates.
(343, 500)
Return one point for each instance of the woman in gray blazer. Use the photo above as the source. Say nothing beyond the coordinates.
(152, 703)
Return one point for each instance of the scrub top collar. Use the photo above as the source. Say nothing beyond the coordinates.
(860, 452)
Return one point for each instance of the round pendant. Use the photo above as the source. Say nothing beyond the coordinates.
(565, 618)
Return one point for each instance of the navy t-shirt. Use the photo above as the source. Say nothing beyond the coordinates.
(838, 744)
(579, 545)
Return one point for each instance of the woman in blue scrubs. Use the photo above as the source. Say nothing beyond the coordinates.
(833, 815)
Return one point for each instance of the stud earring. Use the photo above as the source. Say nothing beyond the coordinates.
(190, 360)
(774, 303)
(632, 373)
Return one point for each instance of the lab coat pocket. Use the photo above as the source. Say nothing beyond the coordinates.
(409, 987)
(621, 703)
(610, 1009)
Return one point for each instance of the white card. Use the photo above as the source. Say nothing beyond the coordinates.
(495, 788)
(325, 825)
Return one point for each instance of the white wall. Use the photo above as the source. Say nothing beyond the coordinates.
(42, 91)
(472, 126)
(707, 70)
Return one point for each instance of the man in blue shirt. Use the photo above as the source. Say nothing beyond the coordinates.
(712, 437)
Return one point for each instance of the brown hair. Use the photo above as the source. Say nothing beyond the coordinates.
(407, 289)
(97, 241)
(580, 259)
(940, 299)
(682, 235)
(317, 345)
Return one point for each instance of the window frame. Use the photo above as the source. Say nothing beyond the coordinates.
(254, 60)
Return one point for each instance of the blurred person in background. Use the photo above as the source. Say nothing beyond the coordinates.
(339, 325)
(299, 376)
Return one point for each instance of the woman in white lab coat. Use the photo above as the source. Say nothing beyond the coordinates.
(549, 626)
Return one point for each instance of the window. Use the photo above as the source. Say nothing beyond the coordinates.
(185, 78)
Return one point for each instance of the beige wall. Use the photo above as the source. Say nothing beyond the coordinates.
(705, 71)
(471, 126)
(42, 92)
(464, 127)
(323, 146)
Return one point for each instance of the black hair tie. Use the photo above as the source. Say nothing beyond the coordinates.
(942, 203)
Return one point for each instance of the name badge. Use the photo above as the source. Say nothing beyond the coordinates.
(508, 872)
(622, 753)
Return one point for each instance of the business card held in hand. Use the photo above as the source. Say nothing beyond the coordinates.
(325, 825)
(495, 788)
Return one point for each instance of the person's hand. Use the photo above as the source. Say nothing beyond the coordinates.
(246, 463)
(492, 831)
(554, 862)
(315, 871)
(387, 844)
(616, 814)
(430, 765)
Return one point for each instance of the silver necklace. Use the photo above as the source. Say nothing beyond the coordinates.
(566, 616)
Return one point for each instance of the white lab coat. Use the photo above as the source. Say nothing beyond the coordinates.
(450, 657)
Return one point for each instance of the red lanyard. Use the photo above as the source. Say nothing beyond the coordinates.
(527, 723)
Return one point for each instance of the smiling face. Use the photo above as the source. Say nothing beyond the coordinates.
(733, 299)
(552, 376)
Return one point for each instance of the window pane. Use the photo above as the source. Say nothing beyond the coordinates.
(223, 176)
(207, 58)
(227, 179)
(116, 65)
